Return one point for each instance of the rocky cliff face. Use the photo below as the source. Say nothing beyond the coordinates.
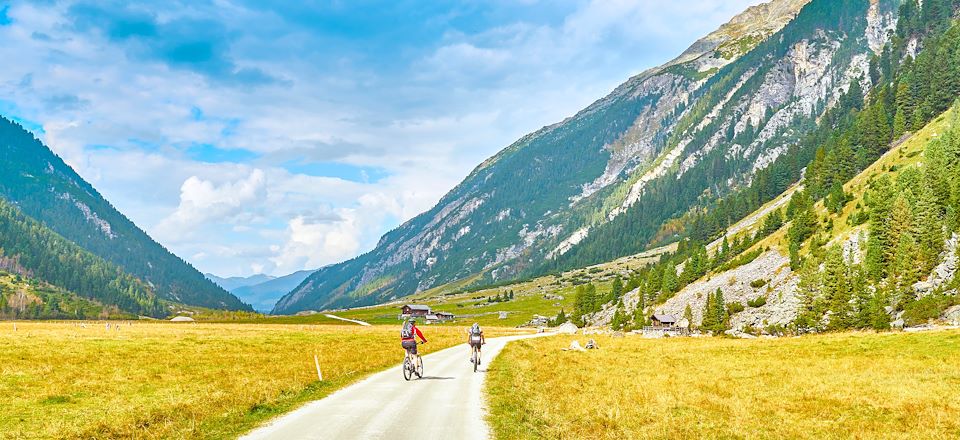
(705, 122)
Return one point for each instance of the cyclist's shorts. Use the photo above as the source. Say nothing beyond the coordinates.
(475, 341)
(410, 346)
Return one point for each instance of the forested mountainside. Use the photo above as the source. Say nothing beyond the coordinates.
(640, 166)
(34, 252)
(846, 248)
(41, 186)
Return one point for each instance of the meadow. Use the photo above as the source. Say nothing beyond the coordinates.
(859, 385)
(165, 380)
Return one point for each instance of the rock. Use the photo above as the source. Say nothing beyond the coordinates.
(537, 321)
(782, 301)
(897, 324)
(503, 315)
(923, 288)
(575, 346)
(952, 315)
(568, 328)
(617, 334)
(592, 345)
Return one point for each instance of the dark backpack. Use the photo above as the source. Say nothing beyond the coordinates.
(407, 331)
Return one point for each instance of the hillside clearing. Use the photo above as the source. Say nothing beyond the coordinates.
(859, 385)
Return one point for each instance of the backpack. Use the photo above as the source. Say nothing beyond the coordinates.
(475, 330)
(407, 331)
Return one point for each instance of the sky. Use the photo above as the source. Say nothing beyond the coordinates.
(268, 137)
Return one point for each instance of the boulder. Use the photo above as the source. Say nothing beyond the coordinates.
(568, 328)
(575, 346)
(952, 315)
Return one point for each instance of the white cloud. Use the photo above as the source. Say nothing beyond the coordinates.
(202, 201)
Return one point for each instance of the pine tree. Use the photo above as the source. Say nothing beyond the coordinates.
(670, 281)
(836, 288)
(928, 228)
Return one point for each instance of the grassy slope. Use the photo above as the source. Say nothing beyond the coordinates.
(164, 380)
(829, 386)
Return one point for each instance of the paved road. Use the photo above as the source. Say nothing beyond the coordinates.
(446, 404)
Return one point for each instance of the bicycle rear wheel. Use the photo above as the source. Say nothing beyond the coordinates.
(407, 368)
(476, 358)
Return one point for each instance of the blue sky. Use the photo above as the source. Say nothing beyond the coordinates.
(251, 136)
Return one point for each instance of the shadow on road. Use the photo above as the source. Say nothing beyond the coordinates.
(436, 378)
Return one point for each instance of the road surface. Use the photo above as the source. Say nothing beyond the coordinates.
(446, 404)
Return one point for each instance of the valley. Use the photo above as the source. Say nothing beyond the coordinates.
(759, 239)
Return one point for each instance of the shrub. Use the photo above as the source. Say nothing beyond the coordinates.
(927, 308)
(734, 307)
(759, 301)
(756, 284)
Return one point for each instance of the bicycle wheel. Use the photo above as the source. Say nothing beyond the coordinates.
(419, 367)
(407, 368)
(476, 358)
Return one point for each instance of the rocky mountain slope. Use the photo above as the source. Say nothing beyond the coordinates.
(38, 184)
(632, 169)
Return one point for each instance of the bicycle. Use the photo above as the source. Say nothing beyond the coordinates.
(412, 365)
(476, 356)
(475, 343)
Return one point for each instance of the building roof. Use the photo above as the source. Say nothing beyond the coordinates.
(664, 318)
(444, 314)
(418, 307)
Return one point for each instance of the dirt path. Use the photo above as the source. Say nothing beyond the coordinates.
(348, 320)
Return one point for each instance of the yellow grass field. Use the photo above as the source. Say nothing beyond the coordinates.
(165, 380)
(831, 386)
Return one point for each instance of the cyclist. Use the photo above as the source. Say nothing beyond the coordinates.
(408, 335)
(475, 339)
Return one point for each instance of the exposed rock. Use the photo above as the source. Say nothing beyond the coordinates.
(568, 328)
(575, 346)
(782, 302)
(943, 272)
(952, 315)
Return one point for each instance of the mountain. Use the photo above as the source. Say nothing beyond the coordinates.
(868, 237)
(48, 276)
(263, 296)
(636, 168)
(42, 187)
(261, 291)
(233, 283)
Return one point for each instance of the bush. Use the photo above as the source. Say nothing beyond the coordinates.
(929, 307)
(759, 301)
(734, 307)
(756, 284)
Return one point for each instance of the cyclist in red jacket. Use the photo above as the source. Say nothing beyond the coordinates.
(408, 336)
